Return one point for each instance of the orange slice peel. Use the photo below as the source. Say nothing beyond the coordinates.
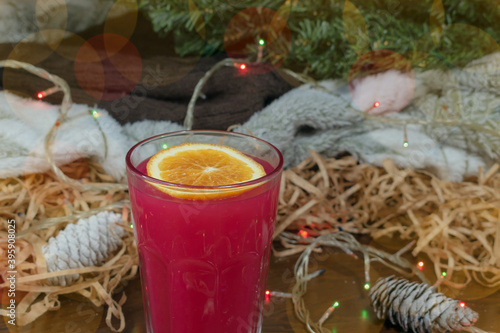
(205, 169)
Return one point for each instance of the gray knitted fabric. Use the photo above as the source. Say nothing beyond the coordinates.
(324, 121)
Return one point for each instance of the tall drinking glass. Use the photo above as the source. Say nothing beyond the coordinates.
(204, 262)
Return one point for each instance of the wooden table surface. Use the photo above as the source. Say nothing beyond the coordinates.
(343, 282)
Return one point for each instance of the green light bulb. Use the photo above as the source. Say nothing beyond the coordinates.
(261, 42)
(364, 314)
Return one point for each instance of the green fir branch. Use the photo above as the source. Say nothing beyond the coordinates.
(319, 43)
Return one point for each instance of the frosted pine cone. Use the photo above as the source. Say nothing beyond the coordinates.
(418, 308)
(83, 244)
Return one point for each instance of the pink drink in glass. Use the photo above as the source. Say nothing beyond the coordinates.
(204, 263)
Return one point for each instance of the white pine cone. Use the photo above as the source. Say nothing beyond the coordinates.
(418, 308)
(86, 243)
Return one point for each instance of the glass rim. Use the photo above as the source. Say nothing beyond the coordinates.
(147, 178)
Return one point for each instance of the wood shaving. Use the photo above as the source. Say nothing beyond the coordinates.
(456, 225)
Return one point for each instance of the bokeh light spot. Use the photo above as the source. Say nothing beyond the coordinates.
(122, 18)
(108, 66)
(52, 19)
(258, 27)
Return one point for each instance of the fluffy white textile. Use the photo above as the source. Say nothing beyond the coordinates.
(305, 118)
(25, 122)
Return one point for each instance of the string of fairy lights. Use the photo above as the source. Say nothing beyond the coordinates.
(45, 93)
(346, 242)
(242, 65)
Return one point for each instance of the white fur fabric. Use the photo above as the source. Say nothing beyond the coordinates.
(25, 122)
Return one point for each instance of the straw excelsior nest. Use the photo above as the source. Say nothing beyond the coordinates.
(40, 205)
(456, 225)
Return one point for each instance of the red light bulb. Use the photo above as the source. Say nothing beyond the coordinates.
(462, 304)
(39, 95)
(243, 66)
(420, 265)
(376, 104)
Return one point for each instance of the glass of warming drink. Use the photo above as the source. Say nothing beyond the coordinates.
(203, 247)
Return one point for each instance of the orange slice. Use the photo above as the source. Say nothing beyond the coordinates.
(203, 164)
